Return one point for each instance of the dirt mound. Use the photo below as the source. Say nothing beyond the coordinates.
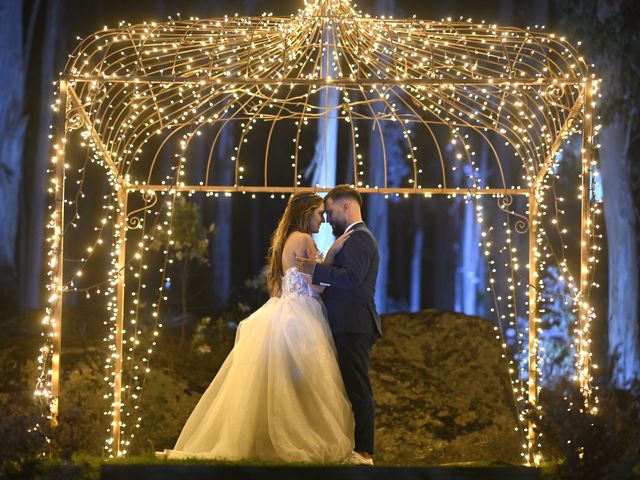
(442, 392)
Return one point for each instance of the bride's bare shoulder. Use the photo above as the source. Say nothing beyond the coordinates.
(299, 240)
(297, 235)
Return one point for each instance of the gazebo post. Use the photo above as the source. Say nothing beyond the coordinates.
(56, 295)
(533, 329)
(585, 231)
(121, 225)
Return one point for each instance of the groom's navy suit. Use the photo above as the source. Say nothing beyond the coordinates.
(355, 324)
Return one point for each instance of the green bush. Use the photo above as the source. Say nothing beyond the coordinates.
(605, 446)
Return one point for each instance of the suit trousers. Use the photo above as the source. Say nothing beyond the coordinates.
(354, 357)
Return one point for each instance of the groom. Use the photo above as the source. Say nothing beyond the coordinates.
(351, 284)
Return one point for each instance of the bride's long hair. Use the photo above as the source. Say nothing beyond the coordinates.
(294, 219)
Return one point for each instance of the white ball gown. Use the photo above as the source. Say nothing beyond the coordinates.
(279, 394)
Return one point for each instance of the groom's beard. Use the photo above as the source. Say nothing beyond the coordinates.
(338, 230)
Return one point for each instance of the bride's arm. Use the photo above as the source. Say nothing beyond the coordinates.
(310, 250)
(306, 261)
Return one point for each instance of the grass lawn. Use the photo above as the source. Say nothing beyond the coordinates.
(86, 467)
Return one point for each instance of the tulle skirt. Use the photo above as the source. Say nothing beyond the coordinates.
(278, 395)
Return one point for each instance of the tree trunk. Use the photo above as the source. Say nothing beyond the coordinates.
(481, 262)
(183, 297)
(470, 281)
(34, 189)
(624, 348)
(222, 248)
(224, 173)
(12, 128)
(377, 221)
(470, 256)
(619, 214)
(416, 259)
(444, 264)
(377, 206)
(325, 157)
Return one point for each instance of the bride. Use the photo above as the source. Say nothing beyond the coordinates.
(279, 394)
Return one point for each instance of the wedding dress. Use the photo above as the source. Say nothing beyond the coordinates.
(279, 394)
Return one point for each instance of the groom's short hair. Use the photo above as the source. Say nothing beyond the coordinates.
(344, 191)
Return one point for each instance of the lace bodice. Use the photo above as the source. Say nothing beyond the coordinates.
(295, 282)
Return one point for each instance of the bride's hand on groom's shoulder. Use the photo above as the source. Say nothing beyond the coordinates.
(308, 264)
(337, 246)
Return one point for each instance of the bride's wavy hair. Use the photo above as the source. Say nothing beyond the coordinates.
(296, 218)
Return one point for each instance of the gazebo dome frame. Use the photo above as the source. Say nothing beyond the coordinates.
(127, 87)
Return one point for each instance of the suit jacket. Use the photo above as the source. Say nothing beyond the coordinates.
(351, 284)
